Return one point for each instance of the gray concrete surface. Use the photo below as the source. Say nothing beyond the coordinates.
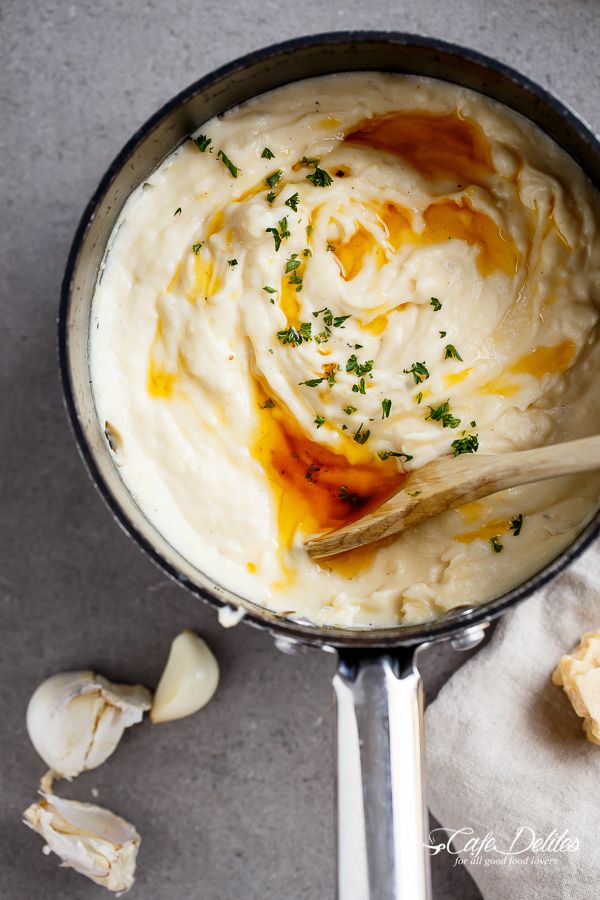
(235, 803)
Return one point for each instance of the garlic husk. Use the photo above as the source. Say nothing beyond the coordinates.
(76, 719)
(88, 838)
(189, 680)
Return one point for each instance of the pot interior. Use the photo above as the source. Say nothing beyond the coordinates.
(256, 73)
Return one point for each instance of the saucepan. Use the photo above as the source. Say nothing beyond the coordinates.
(381, 814)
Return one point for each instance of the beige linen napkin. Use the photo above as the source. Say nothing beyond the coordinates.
(507, 752)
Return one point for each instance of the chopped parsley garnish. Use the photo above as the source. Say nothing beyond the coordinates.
(232, 262)
(202, 142)
(177, 212)
(413, 493)
(419, 396)
(442, 414)
(330, 247)
(360, 436)
(436, 304)
(267, 154)
(442, 334)
(271, 196)
(467, 444)
(197, 247)
(323, 336)
(312, 382)
(350, 409)
(419, 372)
(312, 470)
(279, 234)
(385, 454)
(516, 524)
(347, 495)
(319, 420)
(359, 369)
(309, 230)
(268, 404)
(497, 547)
(292, 202)
(233, 169)
(295, 336)
(273, 179)
(386, 406)
(360, 387)
(452, 353)
(306, 252)
(320, 178)
(292, 263)
(473, 424)
(330, 371)
(296, 279)
(269, 290)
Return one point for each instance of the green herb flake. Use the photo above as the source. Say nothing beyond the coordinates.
(267, 154)
(268, 404)
(360, 436)
(202, 142)
(279, 234)
(360, 387)
(436, 304)
(473, 424)
(274, 179)
(292, 263)
(320, 178)
(295, 336)
(319, 420)
(309, 230)
(330, 247)
(516, 525)
(233, 169)
(197, 247)
(350, 409)
(232, 262)
(269, 290)
(419, 372)
(177, 212)
(452, 353)
(442, 334)
(271, 196)
(386, 406)
(497, 547)
(312, 382)
(353, 365)
(467, 444)
(419, 397)
(442, 414)
(348, 496)
(292, 202)
(385, 454)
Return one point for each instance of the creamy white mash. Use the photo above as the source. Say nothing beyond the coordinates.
(337, 282)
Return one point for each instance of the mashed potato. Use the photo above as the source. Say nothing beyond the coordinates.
(333, 284)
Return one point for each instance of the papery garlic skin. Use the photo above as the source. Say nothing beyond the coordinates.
(76, 719)
(88, 838)
(578, 673)
(189, 680)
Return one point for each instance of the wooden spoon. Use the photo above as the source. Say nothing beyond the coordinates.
(455, 480)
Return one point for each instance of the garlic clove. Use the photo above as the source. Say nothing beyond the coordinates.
(189, 680)
(76, 719)
(88, 838)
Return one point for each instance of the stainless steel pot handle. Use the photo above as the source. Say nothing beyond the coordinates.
(381, 812)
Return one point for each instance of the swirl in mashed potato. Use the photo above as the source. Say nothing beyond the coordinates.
(333, 284)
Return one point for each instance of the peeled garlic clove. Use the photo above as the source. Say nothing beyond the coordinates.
(76, 719)
(88, 838)
(189, 680)
(578, 673)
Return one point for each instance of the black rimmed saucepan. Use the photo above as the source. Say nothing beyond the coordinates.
(381, 815)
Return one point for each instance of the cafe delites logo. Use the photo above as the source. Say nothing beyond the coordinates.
(525, 847)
